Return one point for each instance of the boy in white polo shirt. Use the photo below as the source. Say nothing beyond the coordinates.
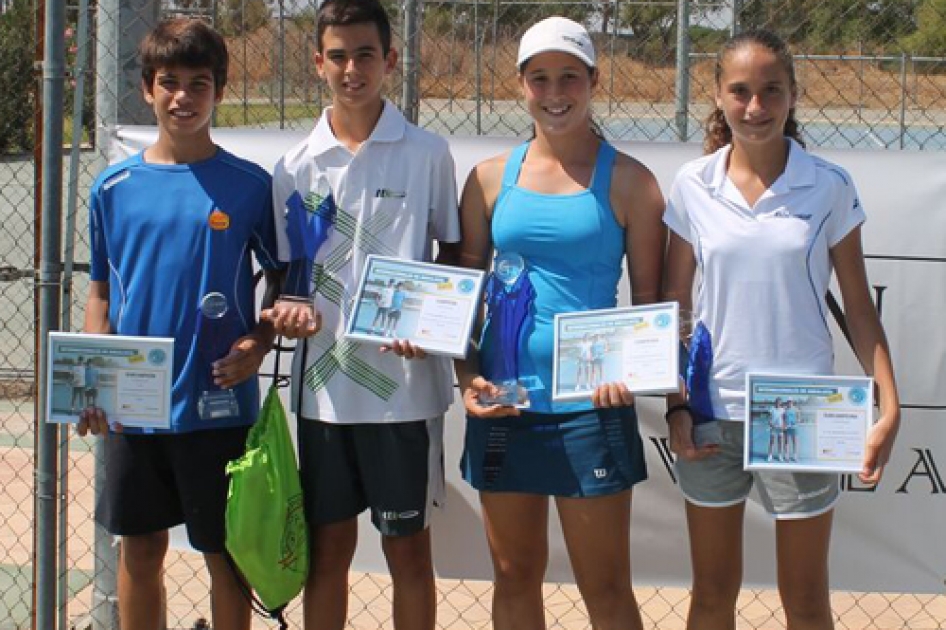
(370, 421)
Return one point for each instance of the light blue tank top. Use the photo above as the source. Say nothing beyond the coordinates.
(573, 248)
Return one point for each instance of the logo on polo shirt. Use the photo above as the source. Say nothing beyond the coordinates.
(785, 214)
(219, 220)
(387, 193)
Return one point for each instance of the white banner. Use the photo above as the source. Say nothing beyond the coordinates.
(887, 539)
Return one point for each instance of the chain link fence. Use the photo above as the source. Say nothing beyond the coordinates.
(872, 74)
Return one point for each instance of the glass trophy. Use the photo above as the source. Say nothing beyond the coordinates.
(706, 428)
(213, 342)
(509, 300)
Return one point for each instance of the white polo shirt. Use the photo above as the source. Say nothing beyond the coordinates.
(764, 270)
(394, 197)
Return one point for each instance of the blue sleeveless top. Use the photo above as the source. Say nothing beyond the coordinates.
(573, 248)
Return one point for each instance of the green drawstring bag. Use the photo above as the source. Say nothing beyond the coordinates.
(267, 538)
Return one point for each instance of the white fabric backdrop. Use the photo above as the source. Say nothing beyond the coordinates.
(890, 539)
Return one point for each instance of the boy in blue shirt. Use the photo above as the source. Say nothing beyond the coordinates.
(172, 231)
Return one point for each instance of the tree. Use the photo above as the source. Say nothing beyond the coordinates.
(233, 17)
(835, 26)
(239, 17)
(17, 47)
(930, 35)
(654, 27)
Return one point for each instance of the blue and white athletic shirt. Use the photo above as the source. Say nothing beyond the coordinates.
(763, 271)
(165, 235)
(394, 196)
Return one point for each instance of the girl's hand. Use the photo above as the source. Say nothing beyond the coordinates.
(479, 388)
(879, 446)
(680, 426)
(612, 395)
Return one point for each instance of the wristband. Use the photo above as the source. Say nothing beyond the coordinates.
(674, 409)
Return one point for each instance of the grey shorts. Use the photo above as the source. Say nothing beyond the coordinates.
(721, 481)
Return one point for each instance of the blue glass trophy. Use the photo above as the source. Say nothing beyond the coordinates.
(509, 297)
(214, 337)
(309, 221)
(706, 428)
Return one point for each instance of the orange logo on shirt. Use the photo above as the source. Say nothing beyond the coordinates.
(219, 220)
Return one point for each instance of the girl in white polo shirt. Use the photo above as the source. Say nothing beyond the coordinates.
(765, 223)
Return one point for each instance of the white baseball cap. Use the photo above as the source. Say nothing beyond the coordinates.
(556, 34)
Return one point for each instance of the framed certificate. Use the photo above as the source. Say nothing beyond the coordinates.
(637, 345)
(432, 306)
(130, 378)
(807, 423)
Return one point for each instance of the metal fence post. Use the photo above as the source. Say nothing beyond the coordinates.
(72, 202)
(410, 95)
(48, 290)
(615, 24)
(282, 65)
(120, 25)
(902, 120)
(478, 68)
(105, 572)
(493, 49)
(683, 69)
(736, 25)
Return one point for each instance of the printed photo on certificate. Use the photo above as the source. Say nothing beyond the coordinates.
(807, 423)
(129, 378)
(637, 345)
(432, 306)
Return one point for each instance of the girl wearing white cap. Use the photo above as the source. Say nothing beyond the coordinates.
(573, 209)
(765, 222)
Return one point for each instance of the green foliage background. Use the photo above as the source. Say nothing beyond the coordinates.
(16, 77)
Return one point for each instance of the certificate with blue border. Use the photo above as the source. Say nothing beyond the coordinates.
(807, 423)
(130, 378)
(432, 306)
(635, 345)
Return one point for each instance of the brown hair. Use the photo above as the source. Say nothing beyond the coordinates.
(185, 42)
(718, 133)
(348, 12)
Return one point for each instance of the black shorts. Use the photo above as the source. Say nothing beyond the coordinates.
(154, 482)
(393, 469)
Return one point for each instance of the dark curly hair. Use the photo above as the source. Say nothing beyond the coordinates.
(718, 134)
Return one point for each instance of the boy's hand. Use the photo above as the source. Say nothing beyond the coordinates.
(404, 348)
(294, 319)
(243, 361)
(93, 420)
(612, 395)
